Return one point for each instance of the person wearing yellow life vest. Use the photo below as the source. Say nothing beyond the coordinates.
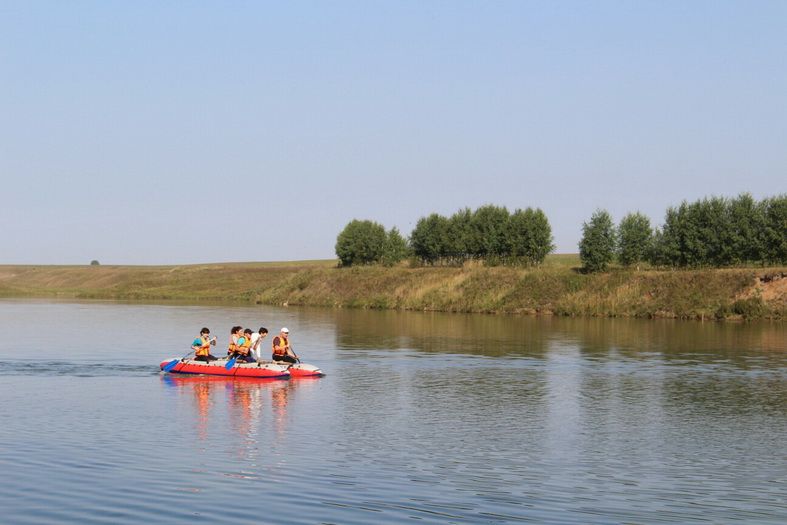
(235, 333)
(244, 347)
(281, 347)
(201, 346)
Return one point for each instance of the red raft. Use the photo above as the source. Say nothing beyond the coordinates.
(261, 370)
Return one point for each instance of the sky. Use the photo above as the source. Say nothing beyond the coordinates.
(177, 132)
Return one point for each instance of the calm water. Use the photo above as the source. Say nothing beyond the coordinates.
(422, 418)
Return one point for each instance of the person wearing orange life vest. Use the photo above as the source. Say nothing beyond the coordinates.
(244, 347)
(201, 346)
(235, 334)
(281, 347)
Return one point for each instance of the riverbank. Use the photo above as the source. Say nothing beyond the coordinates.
(556, 288)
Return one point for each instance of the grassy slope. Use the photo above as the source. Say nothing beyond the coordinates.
(555, 288)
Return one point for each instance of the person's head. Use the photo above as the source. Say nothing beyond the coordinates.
(285, 331)
(263, 331)
(236, 329)
(247, 331)
(204, 331)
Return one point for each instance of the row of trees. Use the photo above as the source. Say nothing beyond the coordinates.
(488, 233)
(712, 232)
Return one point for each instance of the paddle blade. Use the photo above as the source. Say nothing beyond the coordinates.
(230, 363)
(169, 366)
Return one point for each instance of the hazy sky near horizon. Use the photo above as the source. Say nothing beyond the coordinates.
(183, 132)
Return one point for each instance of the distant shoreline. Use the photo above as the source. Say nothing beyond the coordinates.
(555, 288)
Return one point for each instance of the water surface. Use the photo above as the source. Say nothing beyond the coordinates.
(421, 418)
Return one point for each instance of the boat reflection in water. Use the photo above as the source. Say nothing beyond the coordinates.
(243, 416)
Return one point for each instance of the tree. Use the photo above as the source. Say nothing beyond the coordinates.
(458, 236)
(361, 242)
(395, 248)
(634, 238)
(529, 236)
(428, 239)
(94, 262)
(774, 234)
(597, 247)
(489, 232)
(747, 220)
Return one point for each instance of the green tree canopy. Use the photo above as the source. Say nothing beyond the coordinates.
(395, 248)
(361, 242)
(529, 236)
(489, 232)
(597, 247)
(774, 233)
(428, 239)
(634, 238)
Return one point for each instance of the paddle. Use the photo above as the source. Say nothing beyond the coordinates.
(169, 366)
(230, 363)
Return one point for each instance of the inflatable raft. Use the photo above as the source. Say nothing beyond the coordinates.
(261, 370)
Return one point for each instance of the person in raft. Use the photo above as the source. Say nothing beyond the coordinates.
(244, 347)
(256, 343)
(281, 347)
(240, 342)
(201, 346)
(235, 334)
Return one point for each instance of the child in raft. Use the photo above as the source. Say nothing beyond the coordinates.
(201, 346)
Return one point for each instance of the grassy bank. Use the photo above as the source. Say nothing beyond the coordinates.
(556, 288)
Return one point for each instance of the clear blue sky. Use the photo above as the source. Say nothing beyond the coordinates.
(147, 132)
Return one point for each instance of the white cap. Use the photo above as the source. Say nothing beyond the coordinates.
(285, 330)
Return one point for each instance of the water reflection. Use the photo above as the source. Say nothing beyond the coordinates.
(535, 337)
(239, 404)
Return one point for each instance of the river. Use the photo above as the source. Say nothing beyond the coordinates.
(420, 418)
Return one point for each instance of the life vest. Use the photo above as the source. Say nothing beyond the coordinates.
(233, 346)
(204, 349)
(243, 348)
(281, 347)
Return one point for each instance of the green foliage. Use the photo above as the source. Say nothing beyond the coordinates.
(529, 236)
(747, 221)
(361, 242)
(94, 262)
(489, 232)
(428, 239)
(752, 308)
(634, 238)
(717, 232)
(459, 237)
(597, 247)
(774, 232)
(395, 248)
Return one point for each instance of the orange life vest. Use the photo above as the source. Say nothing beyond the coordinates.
(282, 346)
(233, 346)
(243, 348)
(204, 349)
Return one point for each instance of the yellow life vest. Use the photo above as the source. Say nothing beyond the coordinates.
(282, 346)
(243, 348)
(204, 349)
(233, 347)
